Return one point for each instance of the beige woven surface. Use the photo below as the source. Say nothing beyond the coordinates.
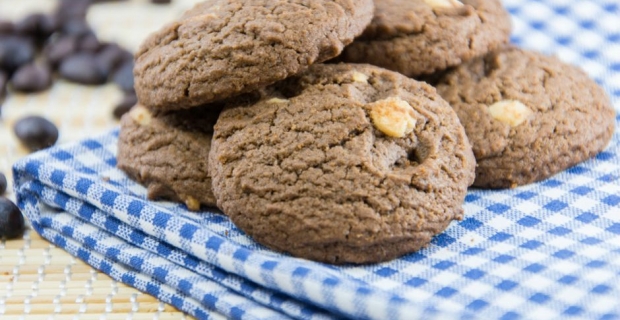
(38, 280)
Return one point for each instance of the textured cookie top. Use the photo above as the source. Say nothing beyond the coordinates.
(527, 115)
(221, 48)
(345, 163)
(416, 37)
(168, 153)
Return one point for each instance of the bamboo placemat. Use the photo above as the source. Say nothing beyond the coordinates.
(38, 280)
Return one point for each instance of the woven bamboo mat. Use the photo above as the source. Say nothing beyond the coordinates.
(38, 280)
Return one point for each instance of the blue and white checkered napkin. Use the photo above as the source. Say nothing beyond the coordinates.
(547, 250)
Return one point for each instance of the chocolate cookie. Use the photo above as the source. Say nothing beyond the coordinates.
(416, 37)
(168, 153)
(342, 164)
(527, 115)
(221, 48)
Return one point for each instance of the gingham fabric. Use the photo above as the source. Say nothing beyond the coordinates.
(549, 250)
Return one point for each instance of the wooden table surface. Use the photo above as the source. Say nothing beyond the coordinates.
(38, 280)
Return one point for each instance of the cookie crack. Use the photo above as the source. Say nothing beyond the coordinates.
(186, 91)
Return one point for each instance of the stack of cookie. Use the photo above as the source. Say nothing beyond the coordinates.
(346, 162)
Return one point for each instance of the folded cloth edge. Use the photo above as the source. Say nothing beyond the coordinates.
(64, 225)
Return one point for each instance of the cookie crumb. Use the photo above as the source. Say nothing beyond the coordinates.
(192, 204)
(141, 115)
(393, 116)
(511, 112)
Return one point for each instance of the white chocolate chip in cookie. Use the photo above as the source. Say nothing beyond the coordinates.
(444, 3)
(511, 112)
(277, 100)
(393, 116)
(141, 115)
(360, 77)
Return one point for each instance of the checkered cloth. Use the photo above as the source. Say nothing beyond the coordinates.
(546, 250)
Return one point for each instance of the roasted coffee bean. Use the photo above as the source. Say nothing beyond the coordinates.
(3, 82)
(84, 68)
(89, 43)
(76, 27)
(129, 100)
(111, 56)
(11, 219)
(37, 25)
(58, 50)
(3, 183)
(72, 9)
(32, 78)
(103, 1)
(6, 27)
(160, 1)
(123, 76)
(15, 51)
(36, 132)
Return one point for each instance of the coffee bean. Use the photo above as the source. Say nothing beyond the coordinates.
(6, 27)
(129, 100)
(84, 68)
(104, 1)
(3, 82)
(160, 1)
(60, 49)
(37, 25)
(123, 76)
(11, 219)
(31, 78)
(89, 43)
(72, 9)
(3, 183)
(29, 25)
(111, 55)
(15, 51)
(75, 27)
(36, 132)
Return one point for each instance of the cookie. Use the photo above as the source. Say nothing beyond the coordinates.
(417, 37)
(527, 115)
(168, 153)
(342, 164)
(222, 48)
